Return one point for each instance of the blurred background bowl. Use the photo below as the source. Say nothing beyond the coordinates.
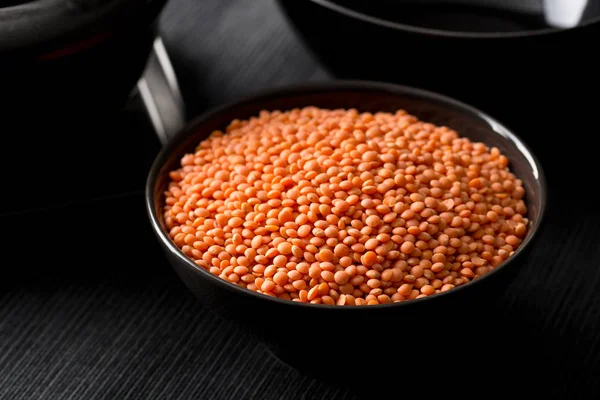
(481, 51)
(306, 336)
(72, 59)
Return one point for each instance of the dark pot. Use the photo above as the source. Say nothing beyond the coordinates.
(490, 68)
(344, 342)
(62, 60)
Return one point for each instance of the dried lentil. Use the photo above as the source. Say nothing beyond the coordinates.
(347, 208)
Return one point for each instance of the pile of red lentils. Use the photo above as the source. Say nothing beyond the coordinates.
(342, 207)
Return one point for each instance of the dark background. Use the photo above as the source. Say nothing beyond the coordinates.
(89, 308)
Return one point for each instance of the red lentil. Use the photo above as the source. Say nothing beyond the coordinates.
(347, 208)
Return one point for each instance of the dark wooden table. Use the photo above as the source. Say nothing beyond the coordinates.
(89, 308)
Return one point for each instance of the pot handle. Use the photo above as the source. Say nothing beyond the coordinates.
(160, 94)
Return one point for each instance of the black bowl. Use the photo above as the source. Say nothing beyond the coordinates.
(64, 60)
(303, 333)
(503, 62)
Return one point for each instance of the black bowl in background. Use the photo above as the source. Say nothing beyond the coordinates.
(332, 341)
(486, 55)
(535, 78)
(71, 60)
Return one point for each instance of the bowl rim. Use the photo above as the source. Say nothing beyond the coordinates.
(21, 24)
(351, 13)
(164, 156)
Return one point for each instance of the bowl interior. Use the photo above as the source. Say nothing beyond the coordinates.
(10, 3)
(364, 96)
(474, 17)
